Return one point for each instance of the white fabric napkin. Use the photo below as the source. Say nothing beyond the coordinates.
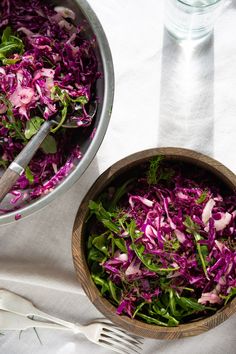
(166, 95)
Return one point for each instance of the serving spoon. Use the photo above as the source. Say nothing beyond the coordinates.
(17, 311)
(18, 166)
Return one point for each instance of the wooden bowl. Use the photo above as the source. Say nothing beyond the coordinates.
(125, 167)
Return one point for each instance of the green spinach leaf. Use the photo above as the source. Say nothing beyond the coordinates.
(32, 126)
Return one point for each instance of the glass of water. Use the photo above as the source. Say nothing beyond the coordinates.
(191, 19)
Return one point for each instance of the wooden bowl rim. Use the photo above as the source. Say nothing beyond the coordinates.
(80, 263)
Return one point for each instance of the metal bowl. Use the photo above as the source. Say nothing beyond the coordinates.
(105, 92)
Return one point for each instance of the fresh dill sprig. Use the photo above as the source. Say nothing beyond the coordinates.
(155, 162)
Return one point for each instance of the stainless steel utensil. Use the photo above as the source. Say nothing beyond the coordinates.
(104, 93)
(12, 322)
(17, 309)
(17, 167)
(15, 303)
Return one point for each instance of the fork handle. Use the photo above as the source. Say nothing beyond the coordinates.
(74, 327)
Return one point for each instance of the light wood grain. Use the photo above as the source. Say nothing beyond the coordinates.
(7, 180)
(79, 240)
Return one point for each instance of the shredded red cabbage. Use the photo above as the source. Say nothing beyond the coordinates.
(164, 247)
(48, 70)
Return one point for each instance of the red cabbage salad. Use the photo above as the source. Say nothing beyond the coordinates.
(48, 70)
(162, 246)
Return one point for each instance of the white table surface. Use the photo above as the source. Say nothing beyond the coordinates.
(166, 95)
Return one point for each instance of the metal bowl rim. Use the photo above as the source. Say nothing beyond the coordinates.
(89, 155)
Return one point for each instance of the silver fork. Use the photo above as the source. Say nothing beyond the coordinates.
(103, 332)
(98, 332)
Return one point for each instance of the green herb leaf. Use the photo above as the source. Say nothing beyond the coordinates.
(138, 308)
(166, 174)
(100, 242)
(8, 48)
(6, 34)
(193, 228)
(190, 225)
(10, 61)
(172, 302)
(114, 291)
(193, 304)
(49, 145)
(202, 197)
(29, 175)
(3, 163)
(117, 242)
(150, 319)
(14, 127)
(140, 248)
(120, 243)
(152, 172)
(102, 283)
(32, 126)
(172, 321)
(95, 255)
(10, 44)
(157, 172)
(81, 99)
(229, 296)
(62, 95)
(120, 191)
(104, 216)
(97, 269)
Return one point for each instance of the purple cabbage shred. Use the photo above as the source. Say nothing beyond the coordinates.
(50, 73)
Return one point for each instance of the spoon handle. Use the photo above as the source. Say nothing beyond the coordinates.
(74, 327)
(12, 322)
(17, 167)
(7, 180)
(30, 149)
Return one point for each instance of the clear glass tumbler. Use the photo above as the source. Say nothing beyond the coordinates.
(191, 19)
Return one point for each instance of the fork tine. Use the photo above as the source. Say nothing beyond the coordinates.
(120, 337)
(120, 345)
(110, 324)
(106, 344)
(105, 321)
(120, 332)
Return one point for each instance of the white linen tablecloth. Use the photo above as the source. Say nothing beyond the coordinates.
(166, 94)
